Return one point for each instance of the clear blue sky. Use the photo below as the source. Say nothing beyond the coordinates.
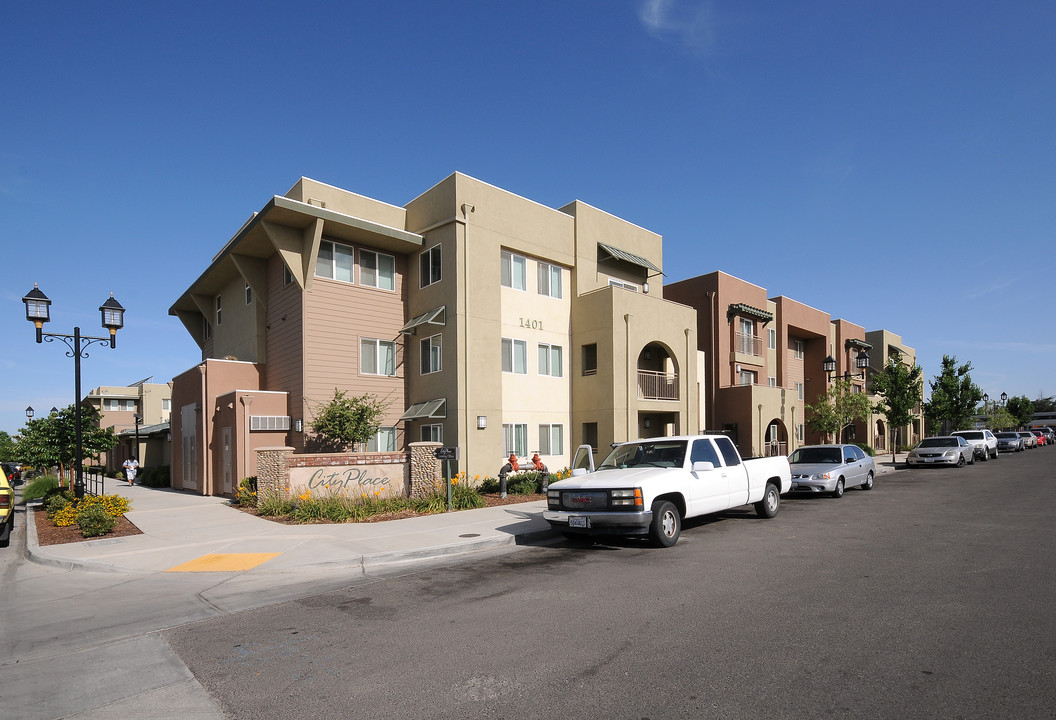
(891, 163)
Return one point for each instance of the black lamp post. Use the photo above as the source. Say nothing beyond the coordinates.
(38, 308)
(861, 361)
(1004, 399)
(137, 419)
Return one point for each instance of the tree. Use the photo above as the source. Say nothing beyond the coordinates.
(953, 397)
(51, 440)
(900, 388)
(839, 407)
(7, 448)
(1021, 409)
(344, 421)
(1045, 404)
(999, 419)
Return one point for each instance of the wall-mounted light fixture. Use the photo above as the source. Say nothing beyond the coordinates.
(298, 425)
(482, 422)
(648, 423)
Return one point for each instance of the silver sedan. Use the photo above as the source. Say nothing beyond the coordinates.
(942, 450)
(830, 469)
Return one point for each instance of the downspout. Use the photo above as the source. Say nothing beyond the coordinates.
(466, 210)
(713, 390)
(246, 400)
(792, 438)
(203, 445)
(762, 444)
(632, 381)
(685, 372)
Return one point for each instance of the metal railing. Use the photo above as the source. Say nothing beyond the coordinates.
(775, 448)
(93, 481)
(749, 344)
(653, 385)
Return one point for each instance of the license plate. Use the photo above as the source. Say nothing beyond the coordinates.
(577, 521)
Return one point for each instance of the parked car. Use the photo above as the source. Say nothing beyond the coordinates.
(7, 510)
(984, 442)
(942, 450)
(1050, 435)
(1010, 442)
(830, 469)
(1043, 439)
(1029, 441)
(12, 471)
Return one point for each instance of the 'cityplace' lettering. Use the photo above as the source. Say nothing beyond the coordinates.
(348, 479)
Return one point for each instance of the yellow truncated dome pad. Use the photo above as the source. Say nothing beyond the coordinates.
(224, 562)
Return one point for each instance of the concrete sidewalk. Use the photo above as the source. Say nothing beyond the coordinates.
(206, 534)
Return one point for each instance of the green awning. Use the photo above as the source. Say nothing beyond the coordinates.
(618, 254)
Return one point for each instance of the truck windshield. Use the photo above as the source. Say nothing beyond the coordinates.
(652, 453)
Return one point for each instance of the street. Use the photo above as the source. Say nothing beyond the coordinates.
(927, 597)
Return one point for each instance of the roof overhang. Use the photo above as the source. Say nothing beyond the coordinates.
(436, 316)
(748, 311)
(856, 343)
(426, 410)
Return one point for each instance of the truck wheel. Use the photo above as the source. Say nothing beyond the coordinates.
(838, 492)
(771, 502)
(667, 524)
(868, 484)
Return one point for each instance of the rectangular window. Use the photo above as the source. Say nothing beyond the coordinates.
(551, 439)
(771, 339)
(336, 261)
(799, 432)
(219, 307)
(798, 347)
(747, 377)
(515, 439)
(287, 276)
(514, 271)
(550, 360)
(377, 357)
(514, 356)
(249, 295)
(746, 336)
(625, 285)
(590, 359)
(549, 280)
(799, 390)
(383, 441)
(166, 405)
(377, 270)
(432, 354)
(590, 435)
(433, 433)
(207, 329)
(429, 266)
(771, 381)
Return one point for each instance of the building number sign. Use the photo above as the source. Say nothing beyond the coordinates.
(531, 324)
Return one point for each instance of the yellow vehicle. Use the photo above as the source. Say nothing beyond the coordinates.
(7, 510)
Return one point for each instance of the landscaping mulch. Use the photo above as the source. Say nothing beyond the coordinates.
(48, 534)
(491, 500)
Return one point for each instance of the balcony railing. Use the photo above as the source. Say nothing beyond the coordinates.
(749, 344)
(774, 448)
(654, 385)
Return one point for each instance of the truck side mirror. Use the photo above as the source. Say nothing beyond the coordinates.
(703, 466)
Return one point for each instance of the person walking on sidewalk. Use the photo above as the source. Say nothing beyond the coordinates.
(131, 465)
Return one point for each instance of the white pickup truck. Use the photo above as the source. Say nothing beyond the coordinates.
(650, 486)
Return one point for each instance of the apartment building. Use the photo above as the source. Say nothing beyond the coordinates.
(119, 405)
(482, 319)
(884, 345)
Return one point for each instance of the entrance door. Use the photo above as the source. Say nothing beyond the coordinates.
(225, 443)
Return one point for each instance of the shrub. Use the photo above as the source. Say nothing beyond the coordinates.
(247, 492)
(55, 501)
(274, 504)
(866, 448)
(155, 477)
(64, 516)
(465, 497)
(94, 519)
(38, 487)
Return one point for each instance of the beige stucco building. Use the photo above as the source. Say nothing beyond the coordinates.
(483, 320)
(118, 406)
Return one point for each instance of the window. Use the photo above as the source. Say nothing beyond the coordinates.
(746, 336)
(377, 270)
(747, 377)
(704, 451)
(799, 432)
(590, 435)
(219, 307)
(166, 405)
(590, 359)
(377, 357)
(625, 285)
(429, 266)
(799, 389)
(771, 381)
(383, 441)
(549, 280)
(771, 339)
(115, 405)
(551, 439)
(432, 354)
(335, 261)
(433, 433)
(514, 271)
(797, 346)
(287, 276)
(515, 439)
(550, 360)
(207, 329)
(514, 356)
(729, 452)
(249, 295)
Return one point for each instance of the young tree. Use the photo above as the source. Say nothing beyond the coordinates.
(839, 407)
(1021, 409)
(51, 440)
(953, 397)
(900, 388)
(999, 419)
(7, 448)
(345, 421)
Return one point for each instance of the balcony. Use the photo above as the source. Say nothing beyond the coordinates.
(749, 345)
(653, 385)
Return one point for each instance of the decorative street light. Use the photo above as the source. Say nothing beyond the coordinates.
(861, 361)
(1004, 399)
(29, 412)
(137, 419)
(38, 308)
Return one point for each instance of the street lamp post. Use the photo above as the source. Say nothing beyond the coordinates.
(38, 309)
(828, 365)
(29, 412)
(137, 419)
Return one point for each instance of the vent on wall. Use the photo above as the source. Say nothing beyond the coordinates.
(269, 422)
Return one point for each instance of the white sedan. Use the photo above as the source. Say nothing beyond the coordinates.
(943, 450)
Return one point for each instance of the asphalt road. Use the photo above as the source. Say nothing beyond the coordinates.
(930, 596)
